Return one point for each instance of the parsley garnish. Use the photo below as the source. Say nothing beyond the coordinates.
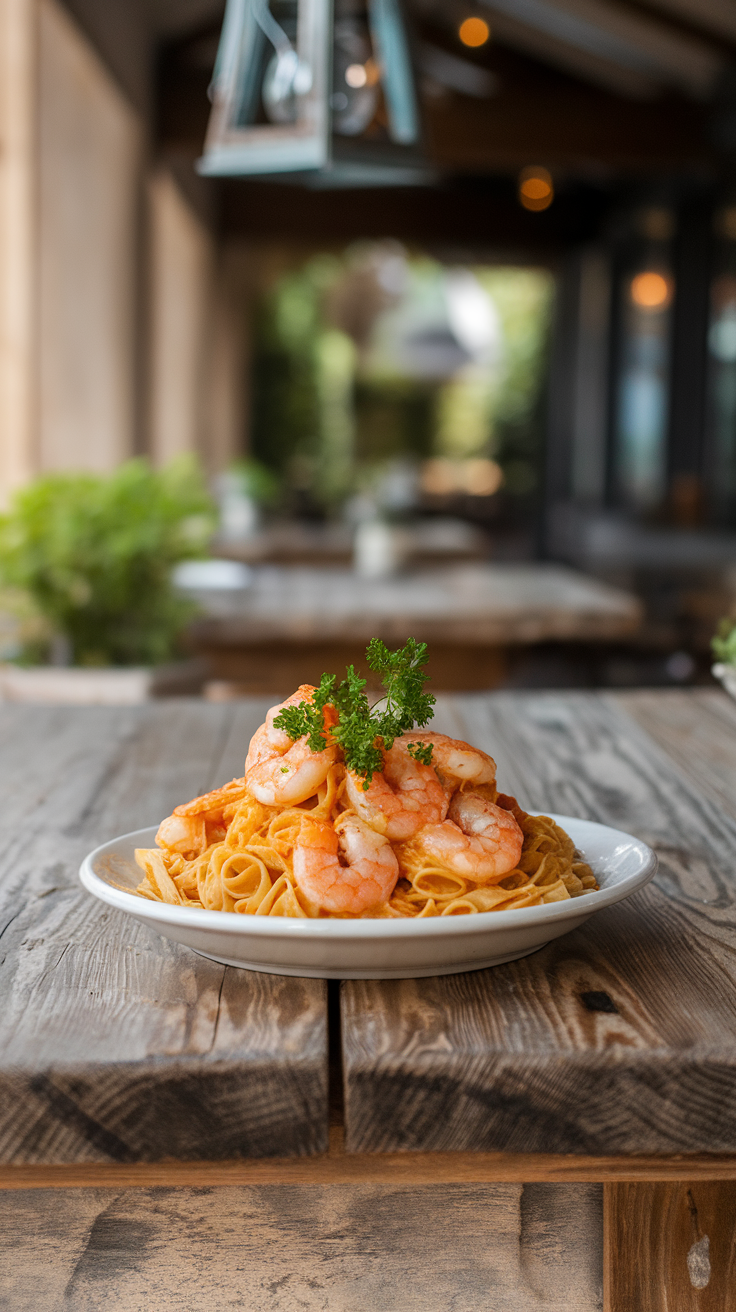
(362, 731)
(421, 752)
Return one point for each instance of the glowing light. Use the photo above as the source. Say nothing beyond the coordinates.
(438, 478)
(356, 75)
(474, 32)
(650, 291)
(536, 191)
(481, 478)
(477, 478)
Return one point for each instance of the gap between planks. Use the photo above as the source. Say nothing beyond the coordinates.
(407, 1168)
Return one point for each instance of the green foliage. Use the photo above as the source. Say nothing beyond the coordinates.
(95, 554)
(394, 417)
(524, 301)
(326, 416)
(364, 732)
(258, 482)
(724, 642)
(302, 405)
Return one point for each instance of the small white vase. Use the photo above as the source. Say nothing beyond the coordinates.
(379, 549)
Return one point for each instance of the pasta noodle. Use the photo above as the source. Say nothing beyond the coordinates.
(249, 869)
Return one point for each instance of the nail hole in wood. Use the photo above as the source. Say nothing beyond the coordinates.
(596, 1001)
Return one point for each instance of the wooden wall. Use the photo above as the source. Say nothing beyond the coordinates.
(17, 50)
(90, 145)
(120, 330)
(181, 275)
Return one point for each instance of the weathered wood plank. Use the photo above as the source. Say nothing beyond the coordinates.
(697, 730)
(670, 1247)
(514, 1058)
(505, 1248)
(117, 1044)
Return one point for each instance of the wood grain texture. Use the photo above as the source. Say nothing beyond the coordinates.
(407, 1168)
(503, 1248)
(118, 1045)
(697, 729)
(670, 1247)
(513, 1058)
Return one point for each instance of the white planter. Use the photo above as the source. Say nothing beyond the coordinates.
(69, 686)
(727, 676)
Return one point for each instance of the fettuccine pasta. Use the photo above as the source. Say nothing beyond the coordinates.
(248, 866)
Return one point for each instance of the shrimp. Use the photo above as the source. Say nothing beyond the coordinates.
(364, 877)
(478, 840)
(281, 772)
(194, 825)
(455, 761)
(402, 799)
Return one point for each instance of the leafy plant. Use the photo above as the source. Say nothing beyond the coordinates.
(362, 731)
(257, 481)
(96, 553)
(724, 642)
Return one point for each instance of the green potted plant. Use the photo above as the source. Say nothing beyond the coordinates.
(724, 649)
(94, 555)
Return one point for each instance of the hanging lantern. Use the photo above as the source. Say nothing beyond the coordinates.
(321, 96)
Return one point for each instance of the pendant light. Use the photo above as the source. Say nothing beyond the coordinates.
(311, 92)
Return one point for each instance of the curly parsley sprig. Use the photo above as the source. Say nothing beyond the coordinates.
(364, 732)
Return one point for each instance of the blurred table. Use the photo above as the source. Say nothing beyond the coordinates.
(508, 1139)
(437, 539)
(294, 622)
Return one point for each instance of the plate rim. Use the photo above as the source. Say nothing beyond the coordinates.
(483, 922)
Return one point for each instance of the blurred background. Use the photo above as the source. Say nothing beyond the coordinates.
(472, 379)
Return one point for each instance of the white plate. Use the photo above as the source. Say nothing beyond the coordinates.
(374, 949)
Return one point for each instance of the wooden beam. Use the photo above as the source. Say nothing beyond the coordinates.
(540, 118)
(716, 16)
(502, 1248)
(625, 38)
(407, 1169)
(669, 1246)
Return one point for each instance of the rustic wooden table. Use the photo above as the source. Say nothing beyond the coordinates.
(293, 622)
(553, 1133)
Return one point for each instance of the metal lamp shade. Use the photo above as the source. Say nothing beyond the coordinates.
(317, 96)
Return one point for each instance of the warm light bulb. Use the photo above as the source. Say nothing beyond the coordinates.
(439, 478)
(650, 291)
(356, 75)
(474, 32)
(481, 478)
(536, 191)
